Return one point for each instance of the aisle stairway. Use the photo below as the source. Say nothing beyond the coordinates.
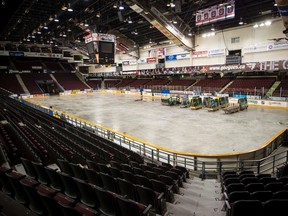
(272, 89)
(198, 198)
(22, 84)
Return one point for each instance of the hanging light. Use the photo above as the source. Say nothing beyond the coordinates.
(70, 9)
(129, 20)
(121, 7)
(241, 21)
(56, 18)
(212, 27)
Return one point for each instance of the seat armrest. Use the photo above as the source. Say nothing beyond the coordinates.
(147, 209)
(160, 196)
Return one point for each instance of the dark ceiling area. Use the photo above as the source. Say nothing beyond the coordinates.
(30, 21)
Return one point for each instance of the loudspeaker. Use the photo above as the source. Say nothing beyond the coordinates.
(120, 16)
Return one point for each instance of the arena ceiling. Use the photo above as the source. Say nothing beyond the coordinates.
(34, 20)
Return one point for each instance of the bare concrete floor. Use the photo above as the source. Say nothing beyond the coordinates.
(179, 129)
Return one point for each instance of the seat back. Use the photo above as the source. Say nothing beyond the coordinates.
(126, 189)
(42, 175)
(252, 187)
(78, 171)
(129, 177)
(261, 195)
(93, 177)
(131, 208)
(70, 187)
(142, 180)
(115, 172)
(274, 186)
(54, 179)
(247, 208)
(276, 207)
(64, 167)
(105, 201)
(86, 193)
(109, 182)
(35, 203)
(29, 169)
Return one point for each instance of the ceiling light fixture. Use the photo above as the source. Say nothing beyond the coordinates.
(98, 14)
(212, 27)
(129, 20)
(121, 7)
(70, 9)
(241, 21)
(56, 18)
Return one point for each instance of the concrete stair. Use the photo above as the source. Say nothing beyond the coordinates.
(225, 87)
(22, 84)
(58, 84)
(272, 89)
(198, 198)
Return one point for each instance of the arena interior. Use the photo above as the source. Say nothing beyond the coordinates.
(134, 108)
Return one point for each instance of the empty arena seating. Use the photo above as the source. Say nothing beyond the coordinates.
(87, 162)
(30, 80)
(252, 86)
(212, 85)
(95, 84)
(156, 83)
(10, 83)
(124, 83)
(180, 82)
(111, 83)
(241, 190)
(69, 81)
(137, 83)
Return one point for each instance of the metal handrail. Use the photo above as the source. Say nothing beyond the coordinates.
(201, 164)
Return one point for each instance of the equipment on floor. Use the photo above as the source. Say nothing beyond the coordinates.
(196, 103)
(170, 100)
(212, 104)
(223, 101)
(241, 105)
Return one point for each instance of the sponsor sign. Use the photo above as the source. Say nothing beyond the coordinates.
(125, 63)
(252, 66)
(142, 61)
(200, 54)
(151, 60)
(177, 57)
(16, 53)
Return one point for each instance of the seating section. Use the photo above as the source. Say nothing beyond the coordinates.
(30, 81)
(111, 83)
(95, 84)
(212, 85)
(10, 83)
(69, 81)
(246, 193)
(253, 86)
(87, 179)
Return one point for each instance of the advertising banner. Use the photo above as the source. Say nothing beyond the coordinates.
(215, 13)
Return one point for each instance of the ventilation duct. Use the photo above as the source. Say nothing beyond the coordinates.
(161, 20)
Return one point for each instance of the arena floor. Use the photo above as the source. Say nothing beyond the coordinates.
(179, 129)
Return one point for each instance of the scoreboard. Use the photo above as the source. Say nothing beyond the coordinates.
(101, 48)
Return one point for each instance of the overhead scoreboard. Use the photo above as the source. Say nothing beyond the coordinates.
(101, 48)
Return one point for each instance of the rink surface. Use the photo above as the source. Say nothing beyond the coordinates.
(175, 128)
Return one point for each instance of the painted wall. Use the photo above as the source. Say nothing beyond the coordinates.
(254, 43)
